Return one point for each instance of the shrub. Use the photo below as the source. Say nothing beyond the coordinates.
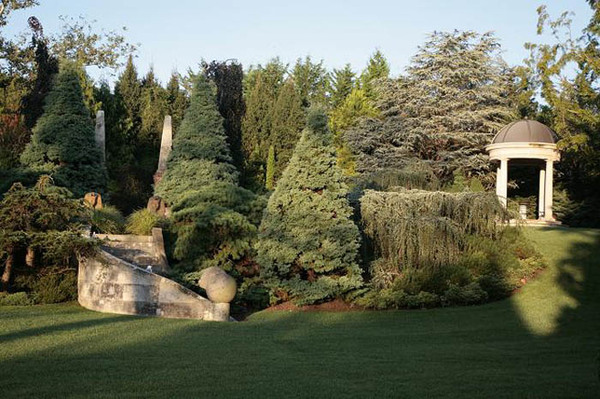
(142, 221)
(470, 294)
(107, 220)
(16, 299)
(51, 285)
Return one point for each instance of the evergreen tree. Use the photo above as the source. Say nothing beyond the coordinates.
(308, 244)
(153, 110)
(270, 178)
(311, 82)
(262, 89)
(63, 140)
(177, 101)
(213, 218)
(46, 67)
(454, 99)
(228, 78)
(377, 68)
(356, 106)
(128, 89)
(342, 85)
(287, 123)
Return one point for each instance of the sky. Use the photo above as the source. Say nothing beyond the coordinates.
(178, 34)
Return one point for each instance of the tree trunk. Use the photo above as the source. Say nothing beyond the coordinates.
(6, 276)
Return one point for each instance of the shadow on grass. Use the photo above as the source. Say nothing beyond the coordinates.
(61, 327)
(482, 351)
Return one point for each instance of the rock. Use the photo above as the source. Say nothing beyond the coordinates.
(220, 287)
(158, 206)
(93, 200)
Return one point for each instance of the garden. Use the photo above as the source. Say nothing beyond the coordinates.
(355, 212)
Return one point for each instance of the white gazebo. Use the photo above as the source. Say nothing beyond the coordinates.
(526, 141)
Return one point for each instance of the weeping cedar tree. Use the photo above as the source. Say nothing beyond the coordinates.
(308, 244)
(213, 218)
(63, 142)
(456, 95)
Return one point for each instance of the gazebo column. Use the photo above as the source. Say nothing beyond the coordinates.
(548, 190)
(502, 181)
(542, 192)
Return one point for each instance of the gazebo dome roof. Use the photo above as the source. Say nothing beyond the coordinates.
(525, 131)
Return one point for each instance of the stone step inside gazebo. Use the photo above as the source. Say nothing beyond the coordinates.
(527, 142)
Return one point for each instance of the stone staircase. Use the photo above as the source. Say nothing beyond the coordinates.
(127, 276)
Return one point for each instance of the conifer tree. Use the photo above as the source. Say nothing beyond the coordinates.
(308, 244)
(228, 77)
(63, 141)
(262, 88)
(341, 85)
(128, 89)
(177, 101)
(213, 218)
(311, 81)
(287, 123)
(455, 96)
(377, 68)
(270, 178)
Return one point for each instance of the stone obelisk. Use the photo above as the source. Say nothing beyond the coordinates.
(101, 133)
(166, 144)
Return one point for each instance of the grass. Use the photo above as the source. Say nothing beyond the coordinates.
(541, 343)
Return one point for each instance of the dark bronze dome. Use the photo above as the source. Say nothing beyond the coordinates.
(525, 131)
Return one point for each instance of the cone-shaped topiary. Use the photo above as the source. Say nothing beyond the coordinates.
(214, 219)
(63, 142)
(308, 244)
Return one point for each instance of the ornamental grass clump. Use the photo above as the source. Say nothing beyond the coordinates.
(308, 244)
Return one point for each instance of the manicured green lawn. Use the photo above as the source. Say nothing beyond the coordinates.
(541, 343)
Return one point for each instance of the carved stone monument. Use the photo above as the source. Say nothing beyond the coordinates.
(101, 133)
(166, 144)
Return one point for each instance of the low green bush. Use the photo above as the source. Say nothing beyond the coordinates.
(470, 294)
(16, 299)
(397, 299)
(50, 285)
(142, 221)
(107, 220)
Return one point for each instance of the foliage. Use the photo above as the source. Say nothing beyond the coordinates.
(63, 142)
(286, 126)
(308, 243)
(454, 98)
(16, 299)
(261, 88)
(78, 42)
(311, 82)
(270, 178)
(177, 101)
(342, 83)
(51, 285)
(142, 221)
(213, 218)
(108, 220)
(445, 244)
(566, 73)
(377, 69)
(44, 219)
(228, 77)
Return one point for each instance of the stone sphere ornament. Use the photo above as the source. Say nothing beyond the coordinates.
(220, 287)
